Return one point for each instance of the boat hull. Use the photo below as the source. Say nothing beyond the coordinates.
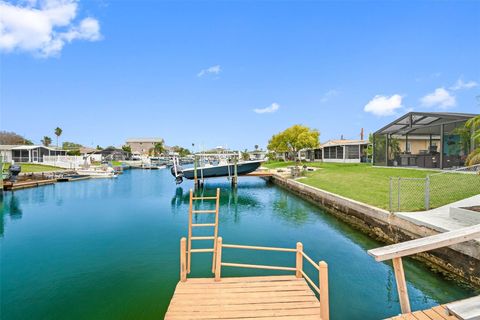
(222, 171)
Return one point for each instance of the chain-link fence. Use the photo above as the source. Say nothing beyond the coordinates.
(435, 190)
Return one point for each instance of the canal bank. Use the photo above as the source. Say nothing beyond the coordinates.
(460, 262)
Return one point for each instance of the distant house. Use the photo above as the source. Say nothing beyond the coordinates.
(342, 150)
(257, 154)
(112, 154)
(141, 146)
(28, 153)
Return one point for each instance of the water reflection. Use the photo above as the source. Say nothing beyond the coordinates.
(12, 206)
(291, 210)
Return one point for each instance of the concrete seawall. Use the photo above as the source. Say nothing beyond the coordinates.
(461, 261)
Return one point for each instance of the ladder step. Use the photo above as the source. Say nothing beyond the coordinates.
(204, 211)
(203, 238)
(201, 250)
(203, 224)
(204, 198)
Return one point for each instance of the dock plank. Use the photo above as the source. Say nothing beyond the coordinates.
(270, 297)
(435, 313)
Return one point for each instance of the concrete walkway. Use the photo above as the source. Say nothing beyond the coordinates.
(446, 218)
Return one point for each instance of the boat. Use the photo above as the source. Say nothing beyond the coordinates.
(98, 172)
(222, 169)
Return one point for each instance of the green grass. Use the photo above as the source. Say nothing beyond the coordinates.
(368, 184)
(34, 167)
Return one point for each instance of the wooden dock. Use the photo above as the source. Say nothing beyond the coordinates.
(264, 297)
(270, 297)
(435, 313)
(258, 174)
(27, 184)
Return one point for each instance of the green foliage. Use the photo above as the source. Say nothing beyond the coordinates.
(157, 150)
(293, 139)
(473, 158)
(11, 138)
(182, 152)
(127, 148)
(99, 148)
(58, 132)
(71, 145)
(74, 152)
(46, 141)
(245, 155)
(474, 123)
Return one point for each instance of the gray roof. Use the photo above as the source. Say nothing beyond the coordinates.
(423, 122)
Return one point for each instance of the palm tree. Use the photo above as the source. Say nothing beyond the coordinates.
(159, 148)
(474, 125)
(58, 132)
(46, 141)
(256, 147)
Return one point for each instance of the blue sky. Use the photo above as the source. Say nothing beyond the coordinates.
(231, 73)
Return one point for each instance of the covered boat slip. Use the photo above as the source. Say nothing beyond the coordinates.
(423, 139)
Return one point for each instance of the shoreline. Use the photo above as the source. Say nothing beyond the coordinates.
(459, 262)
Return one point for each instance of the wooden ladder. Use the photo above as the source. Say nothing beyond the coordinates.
(192, 225)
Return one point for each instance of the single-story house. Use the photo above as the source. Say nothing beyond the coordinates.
(112, 154)
(28, 153)
(423, 139)
(348, 151)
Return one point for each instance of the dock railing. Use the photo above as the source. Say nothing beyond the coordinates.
(395, 252)
(322, 267)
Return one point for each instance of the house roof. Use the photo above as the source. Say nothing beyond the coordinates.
(423, 122)
(31, 147)
(343, 142)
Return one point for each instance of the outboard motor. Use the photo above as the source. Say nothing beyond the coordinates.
(13, 172)
(177, 172)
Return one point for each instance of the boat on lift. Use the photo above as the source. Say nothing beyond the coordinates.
(222, 168)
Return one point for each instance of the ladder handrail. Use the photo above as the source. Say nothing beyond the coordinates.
(189, 250)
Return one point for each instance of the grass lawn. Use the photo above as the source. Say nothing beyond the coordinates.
(34, 167)
(368, 184)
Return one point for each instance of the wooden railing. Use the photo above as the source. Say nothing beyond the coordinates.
(322, 267)
(397, 251)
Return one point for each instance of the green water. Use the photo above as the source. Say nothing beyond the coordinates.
(109, 249)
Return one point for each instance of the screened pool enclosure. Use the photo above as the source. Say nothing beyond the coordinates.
(424, 139)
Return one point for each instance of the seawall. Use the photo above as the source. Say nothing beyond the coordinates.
(461, 261)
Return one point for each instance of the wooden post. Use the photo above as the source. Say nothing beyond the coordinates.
(183, 257)
(195, 176)
(299, 264)
(189, 261)
(215, 231)
(218, 260)
(401, 285)
(323, 283)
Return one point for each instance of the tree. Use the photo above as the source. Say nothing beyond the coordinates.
(71, 145)
(294, 139)
(46, 141)
(158, 148)
(182, 152)
(127, 148)
(99, 148)
(473, 126)
(245, 155)
(256, 147)
(58, 132)
(11, 138)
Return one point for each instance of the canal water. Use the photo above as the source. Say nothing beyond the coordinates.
(109, 249)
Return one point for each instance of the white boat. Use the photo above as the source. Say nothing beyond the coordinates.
(98, 172)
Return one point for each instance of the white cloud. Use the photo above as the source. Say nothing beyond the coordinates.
(272, 108)
(460, 84)
(328, 95)
(439, 98)
(212, 70)
(384, 105)
(43, 27)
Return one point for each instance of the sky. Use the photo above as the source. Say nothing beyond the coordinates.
(231, 73)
